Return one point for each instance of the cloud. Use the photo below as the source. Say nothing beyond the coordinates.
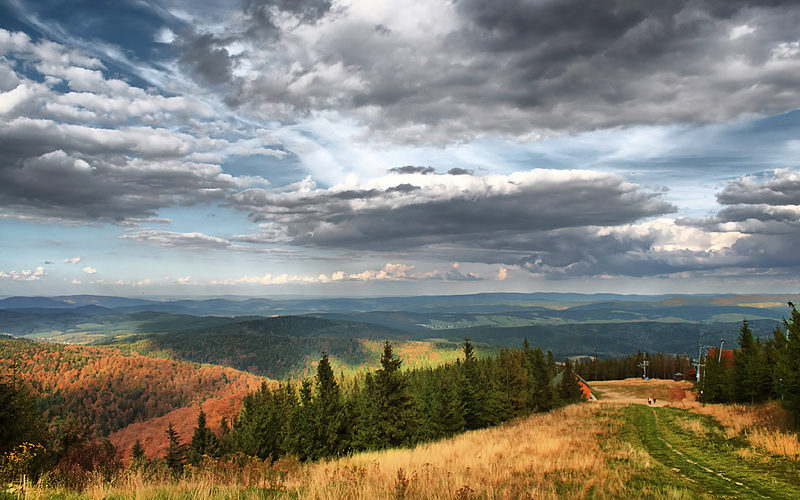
(502, 274)
(73, 260)
(453, 274)
(89, 270)
(459, 171)
(197, 242)
(512, 67)
(389, 272)
(393, 272)
(415, 211)
(411, 169)
(206, 55)
(120, 153)
(765, 211)
(756, 205)
(782, 189)
(141, 282)
(26, 275)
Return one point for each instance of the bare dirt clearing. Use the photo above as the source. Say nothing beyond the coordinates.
(637, 391)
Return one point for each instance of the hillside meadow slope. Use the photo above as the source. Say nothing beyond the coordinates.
(619, 447)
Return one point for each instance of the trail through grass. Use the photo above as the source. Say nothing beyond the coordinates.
(707, 462)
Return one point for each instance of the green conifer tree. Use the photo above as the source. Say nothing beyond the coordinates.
(204, 441)
(396, 412)
(303, 440)
(176, 452)
(469, 388)
(541, 392)
(137, 451)
(20, 421)
(331, 429)
(569, 390)
(746, 367)
(788, 369)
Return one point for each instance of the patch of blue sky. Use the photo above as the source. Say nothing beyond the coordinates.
(215, 220)
(278, 171)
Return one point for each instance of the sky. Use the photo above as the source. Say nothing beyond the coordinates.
(352, 148)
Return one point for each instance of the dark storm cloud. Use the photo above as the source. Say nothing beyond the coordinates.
(459, 171)
(767, 212)
(66, 187)
(411, 169)
(205, 56)
(518, 68)
(754, 205)
(442, 210)
(782, 189)
(261, 14)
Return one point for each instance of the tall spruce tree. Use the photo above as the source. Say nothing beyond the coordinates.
(204, 441)
(20, 421)
(331, 429)
(788, 369)
(541, 393)
(469, 388)
(255, 430)
(569, 390)
(744, 364)
(303, 431)
(137, 451)
(396, 413)
(176, 452)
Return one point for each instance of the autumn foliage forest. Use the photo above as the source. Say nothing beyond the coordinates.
(109, 390)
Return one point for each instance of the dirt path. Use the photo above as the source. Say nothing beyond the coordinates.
(615, 396)
(638, 391)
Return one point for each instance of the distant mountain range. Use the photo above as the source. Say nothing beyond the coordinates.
(482, 302)
(203, 330)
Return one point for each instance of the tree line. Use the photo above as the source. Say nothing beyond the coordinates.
(390, 407)
(659, 365)
(757, 371)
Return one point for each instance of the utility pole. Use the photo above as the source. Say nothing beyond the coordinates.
(721, 343)
(643, 365)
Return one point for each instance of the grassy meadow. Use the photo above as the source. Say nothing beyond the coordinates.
(614, 448)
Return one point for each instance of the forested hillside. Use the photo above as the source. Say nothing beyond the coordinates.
(273, 347)
(612, 339)
(110, 389)
(757, 371)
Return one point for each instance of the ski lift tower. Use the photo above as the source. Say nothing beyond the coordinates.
(644, 364)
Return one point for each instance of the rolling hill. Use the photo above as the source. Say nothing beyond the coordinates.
(111, 389)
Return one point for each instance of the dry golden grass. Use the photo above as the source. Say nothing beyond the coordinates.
(572, 452)
(775, 442)
(557, 455)
(692, 425)
(767, 426)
